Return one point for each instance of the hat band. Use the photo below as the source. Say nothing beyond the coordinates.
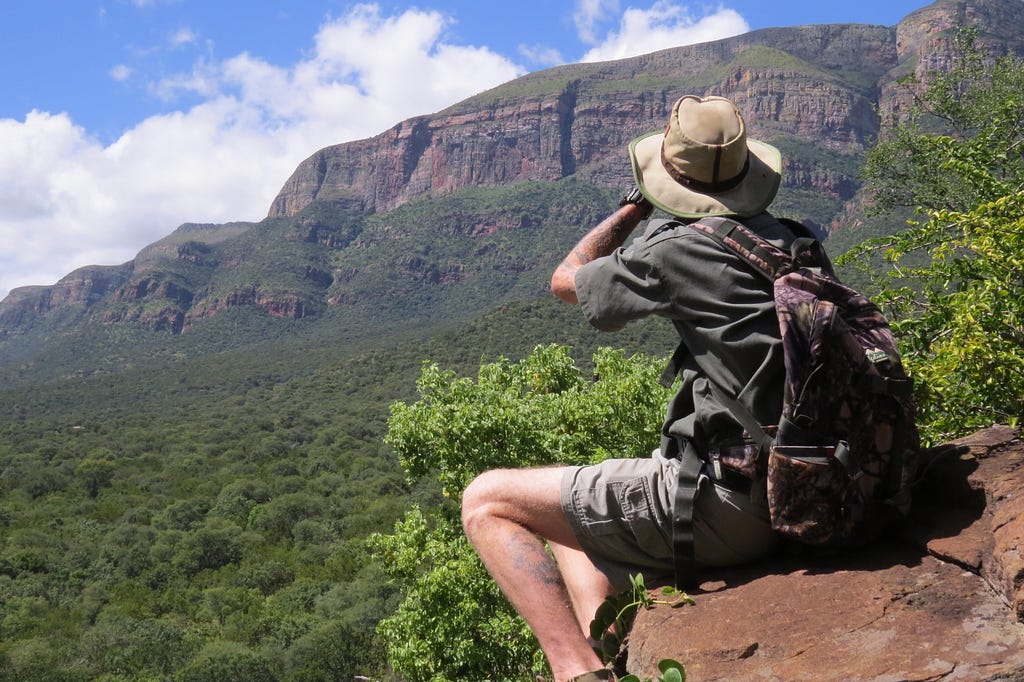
(701, 186)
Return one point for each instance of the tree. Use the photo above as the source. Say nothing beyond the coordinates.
(955, 286)
(453, 622)
(962, 144)
(961, 315)
(280, 515)
(95, 473)
(333, 653)
(126, 646)
(541, 410)
(215, 544)
(224, 660)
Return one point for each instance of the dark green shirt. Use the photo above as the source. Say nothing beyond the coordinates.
(722, 309)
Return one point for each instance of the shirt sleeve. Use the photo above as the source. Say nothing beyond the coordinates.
(620, 287)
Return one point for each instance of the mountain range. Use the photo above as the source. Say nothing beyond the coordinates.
(446, 217)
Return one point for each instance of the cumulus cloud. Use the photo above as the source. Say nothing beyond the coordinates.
(68, 200)
(666, 24)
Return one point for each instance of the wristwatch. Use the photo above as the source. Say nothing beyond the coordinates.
(635, 196)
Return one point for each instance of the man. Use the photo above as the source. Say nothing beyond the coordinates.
(680, 506)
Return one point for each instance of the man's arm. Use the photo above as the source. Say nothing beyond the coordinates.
(610, 234)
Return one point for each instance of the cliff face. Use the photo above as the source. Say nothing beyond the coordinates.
(185, 278)
(814, 83)
(820, 93)
(79, 289)
(829, 86)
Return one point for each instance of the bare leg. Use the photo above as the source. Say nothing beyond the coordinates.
(507, 515)
(587, 586)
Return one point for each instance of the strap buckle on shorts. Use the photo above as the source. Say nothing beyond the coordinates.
(723, 475)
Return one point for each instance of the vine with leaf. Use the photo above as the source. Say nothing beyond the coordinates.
(614, 621)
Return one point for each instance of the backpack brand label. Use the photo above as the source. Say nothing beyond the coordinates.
(876, 355)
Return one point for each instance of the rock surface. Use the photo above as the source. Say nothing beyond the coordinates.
(943, 602)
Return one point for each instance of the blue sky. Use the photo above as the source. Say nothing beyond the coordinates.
(122, 119)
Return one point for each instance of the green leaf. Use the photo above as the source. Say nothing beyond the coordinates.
(671, 670)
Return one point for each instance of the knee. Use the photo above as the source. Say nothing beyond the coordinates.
(479, 499)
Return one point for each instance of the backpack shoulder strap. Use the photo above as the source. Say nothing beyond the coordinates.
(764, 256)
(772, 262)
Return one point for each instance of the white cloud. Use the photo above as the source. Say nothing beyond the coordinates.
(183, 36)
(541, 55)
(590, 13)
(66, 200)
(121, 72)
(51, 208)
(664, 25)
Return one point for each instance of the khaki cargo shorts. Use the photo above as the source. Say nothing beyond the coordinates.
(621, 511)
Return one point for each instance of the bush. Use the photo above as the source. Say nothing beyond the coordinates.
(222, 661)
(453, 623)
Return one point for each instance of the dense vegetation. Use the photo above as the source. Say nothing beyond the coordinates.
(542, 410)
(204, 517)
(954, 281)
(221, 539)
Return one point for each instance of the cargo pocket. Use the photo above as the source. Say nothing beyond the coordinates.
(645, 518)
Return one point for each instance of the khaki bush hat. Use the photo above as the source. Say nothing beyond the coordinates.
(703, 164)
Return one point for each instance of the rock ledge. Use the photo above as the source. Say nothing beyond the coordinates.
(943, 602)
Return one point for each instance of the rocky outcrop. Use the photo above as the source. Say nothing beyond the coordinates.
(924, 43)
(944, 602)
(74, 292)
(149, 290)
(278, 304)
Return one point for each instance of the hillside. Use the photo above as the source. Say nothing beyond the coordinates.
(446, 216)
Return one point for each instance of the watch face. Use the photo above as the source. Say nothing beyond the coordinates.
(632, 196)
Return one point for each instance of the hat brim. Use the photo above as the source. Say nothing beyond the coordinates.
(750, 197)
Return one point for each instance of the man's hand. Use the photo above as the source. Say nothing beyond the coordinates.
(610, 234)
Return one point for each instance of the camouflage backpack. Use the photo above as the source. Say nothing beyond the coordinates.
(841, 462)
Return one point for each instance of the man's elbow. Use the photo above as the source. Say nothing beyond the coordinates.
(563, 285)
